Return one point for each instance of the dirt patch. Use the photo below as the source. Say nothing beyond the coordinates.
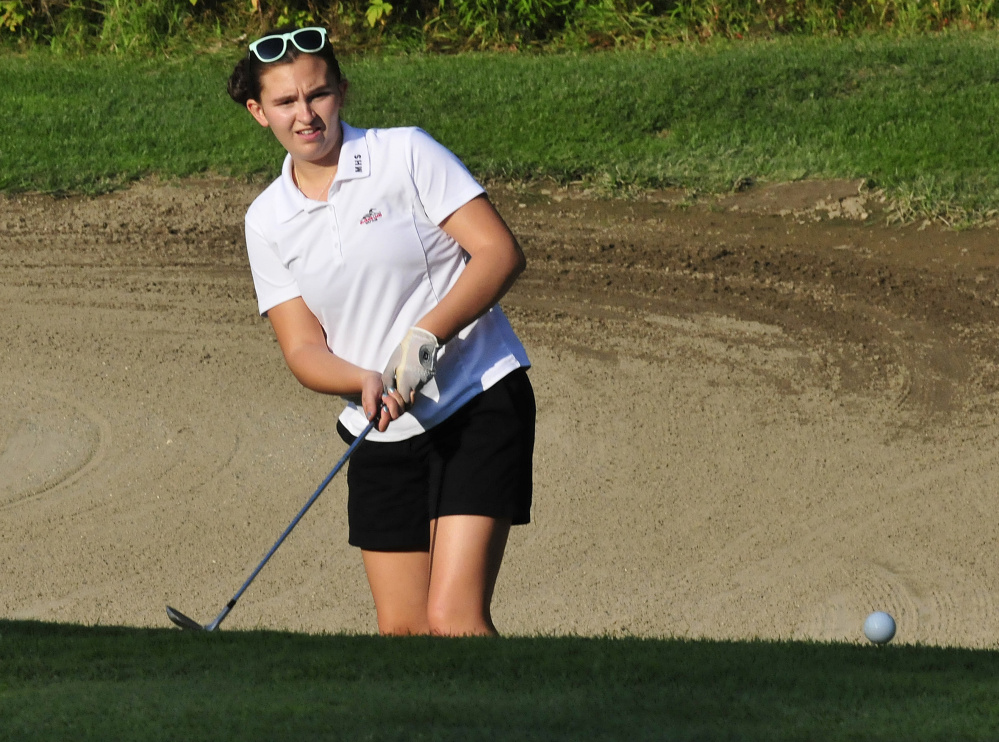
(763, 415)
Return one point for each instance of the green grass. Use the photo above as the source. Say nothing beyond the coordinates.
(913, 115)
(97, 123)
(68, 682)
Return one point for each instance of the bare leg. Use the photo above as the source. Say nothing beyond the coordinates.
(400, 581)
(467, 553)
(452, 600)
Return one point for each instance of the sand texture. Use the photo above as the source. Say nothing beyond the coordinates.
(764, 415)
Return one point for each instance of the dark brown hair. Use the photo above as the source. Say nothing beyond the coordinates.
(244, 82)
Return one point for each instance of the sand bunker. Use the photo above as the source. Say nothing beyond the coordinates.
(760, 416)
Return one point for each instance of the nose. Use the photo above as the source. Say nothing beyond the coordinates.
(305, 111)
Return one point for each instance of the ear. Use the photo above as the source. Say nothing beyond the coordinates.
(344, 84)
(257, 111)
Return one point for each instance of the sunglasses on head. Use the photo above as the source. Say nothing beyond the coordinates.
(272, 48)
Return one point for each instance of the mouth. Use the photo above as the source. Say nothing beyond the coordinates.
(309, 133)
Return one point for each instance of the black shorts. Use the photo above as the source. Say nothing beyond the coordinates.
(477, 462)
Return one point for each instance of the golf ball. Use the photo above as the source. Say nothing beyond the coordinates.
(879, 627)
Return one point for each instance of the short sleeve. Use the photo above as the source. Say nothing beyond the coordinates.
(272, 280)
(442, 180)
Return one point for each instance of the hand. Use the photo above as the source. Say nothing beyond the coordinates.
(377, 401)
(412, 364)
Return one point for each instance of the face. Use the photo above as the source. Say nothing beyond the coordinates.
(302, 107)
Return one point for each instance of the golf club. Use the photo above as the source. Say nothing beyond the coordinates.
(185, 622)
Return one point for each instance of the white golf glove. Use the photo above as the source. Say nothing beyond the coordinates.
(413, 363)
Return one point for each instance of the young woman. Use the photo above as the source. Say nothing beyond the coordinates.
(379, 262)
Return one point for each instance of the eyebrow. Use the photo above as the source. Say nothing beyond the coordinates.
(319, 89)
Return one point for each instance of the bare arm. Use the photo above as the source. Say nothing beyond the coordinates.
(496, 261)
(303, 344)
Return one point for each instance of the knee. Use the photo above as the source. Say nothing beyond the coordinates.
(448, 619)
(402, 630)
(402, 626)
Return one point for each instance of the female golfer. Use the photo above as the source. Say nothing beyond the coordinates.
(379, 262)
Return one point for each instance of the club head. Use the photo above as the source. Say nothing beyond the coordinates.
(183, 621)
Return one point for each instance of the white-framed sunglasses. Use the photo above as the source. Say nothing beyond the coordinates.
(271, 48)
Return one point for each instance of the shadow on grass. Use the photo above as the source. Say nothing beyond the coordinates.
(62, 682)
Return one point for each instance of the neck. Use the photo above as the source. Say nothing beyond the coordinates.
(314, 178)
(317, 184)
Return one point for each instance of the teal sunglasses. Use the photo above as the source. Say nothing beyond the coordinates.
(272, 48)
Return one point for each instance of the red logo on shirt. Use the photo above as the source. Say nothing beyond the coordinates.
(373, 215)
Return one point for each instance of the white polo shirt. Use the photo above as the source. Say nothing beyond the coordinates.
(371, 261)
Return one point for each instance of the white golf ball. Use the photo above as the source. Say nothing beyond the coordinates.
(879, 627)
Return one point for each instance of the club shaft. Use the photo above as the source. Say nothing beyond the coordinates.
(294, 522)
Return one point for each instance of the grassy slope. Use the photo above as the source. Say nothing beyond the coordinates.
(61, 682)
(915, 115)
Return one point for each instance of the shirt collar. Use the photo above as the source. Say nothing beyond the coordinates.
(354, 160)
(354, 163)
